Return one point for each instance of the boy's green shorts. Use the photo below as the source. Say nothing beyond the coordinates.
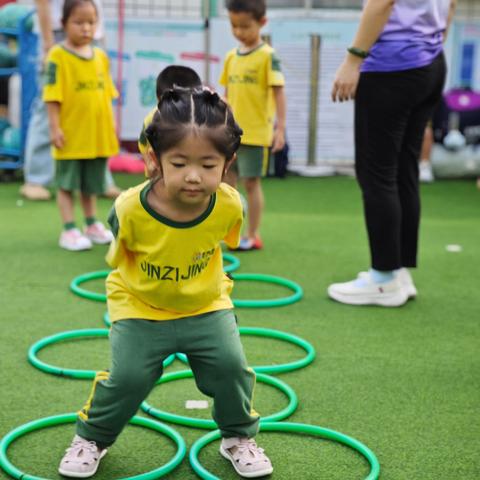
(252, 161)
(88, 176)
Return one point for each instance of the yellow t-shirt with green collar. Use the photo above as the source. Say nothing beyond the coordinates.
(163, 269)
(249, 78)
(85, 90)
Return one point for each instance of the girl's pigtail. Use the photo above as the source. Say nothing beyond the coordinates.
(181, 111)
(211, 98)
(210, 108)
(175, 105)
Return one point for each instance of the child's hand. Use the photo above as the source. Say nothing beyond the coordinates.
(278, 140)
(57, 137)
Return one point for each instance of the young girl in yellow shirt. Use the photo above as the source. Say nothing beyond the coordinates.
(168, 291)
(78, 92)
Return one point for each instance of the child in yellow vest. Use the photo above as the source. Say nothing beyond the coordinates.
(78, 92)
(168, 291)
(254, 89)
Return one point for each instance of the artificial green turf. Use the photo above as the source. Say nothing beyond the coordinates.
(403, 381)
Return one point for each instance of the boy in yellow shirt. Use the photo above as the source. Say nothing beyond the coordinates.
(254, 89)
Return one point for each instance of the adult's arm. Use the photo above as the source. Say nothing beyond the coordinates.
(451, 13)
(372, 22)
(45, 23)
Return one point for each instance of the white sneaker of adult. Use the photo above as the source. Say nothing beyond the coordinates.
(247, 458)
(81, 459)
(367, 292)
(74, 241)
(403, 274)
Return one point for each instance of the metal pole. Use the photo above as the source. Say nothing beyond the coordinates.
(206, 39)
(313, 117)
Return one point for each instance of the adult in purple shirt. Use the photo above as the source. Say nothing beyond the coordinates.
(395, 71)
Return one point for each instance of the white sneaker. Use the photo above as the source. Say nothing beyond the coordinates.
(98, 234)
(367, 292)
(425, 172)
(81, 459)
(74, 241)
(247, 458)
(407, 282)
(403, 274)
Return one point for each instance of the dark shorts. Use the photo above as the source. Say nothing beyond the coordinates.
(252, 161)
(88, 176)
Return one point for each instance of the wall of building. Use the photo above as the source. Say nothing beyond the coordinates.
(161, 32)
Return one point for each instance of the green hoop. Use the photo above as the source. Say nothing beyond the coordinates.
(210, 424)
(102, 297)
(81, 292)
(234, 262)
(70, 372)
(273, 302)
(106, 319)
(291, 428)
(258, 277)
(277, 334)
(71, 418)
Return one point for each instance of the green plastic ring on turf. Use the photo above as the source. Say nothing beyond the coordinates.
(71, 334)
(106, 320)
(234, 262)
(277, 334)
(291, 428)
(210, 424)
(273, 302)
(71, 418)
(101, 297)
(77, 281)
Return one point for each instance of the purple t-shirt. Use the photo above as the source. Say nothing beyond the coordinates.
(412, 37)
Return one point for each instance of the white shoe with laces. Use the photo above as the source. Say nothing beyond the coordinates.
(81, 459)
(74, 241)
(364, 291)
(247, 458)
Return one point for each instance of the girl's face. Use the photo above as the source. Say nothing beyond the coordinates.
(81, 24)
(192, 171)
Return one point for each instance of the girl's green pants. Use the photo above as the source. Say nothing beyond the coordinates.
(139, 347)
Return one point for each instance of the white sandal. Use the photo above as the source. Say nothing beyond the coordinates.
(247, 458)
(81, 459)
